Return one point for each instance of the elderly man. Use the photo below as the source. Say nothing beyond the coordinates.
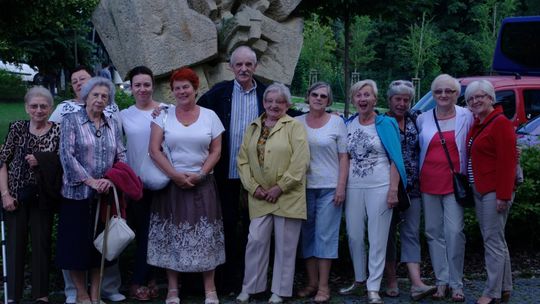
(112, 279)
(237, 103)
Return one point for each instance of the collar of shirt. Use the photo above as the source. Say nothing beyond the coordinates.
(239, 87)
(85, 119)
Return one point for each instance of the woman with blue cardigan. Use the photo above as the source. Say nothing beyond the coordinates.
(376, 167)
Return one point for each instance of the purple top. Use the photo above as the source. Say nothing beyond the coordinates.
(87, 152)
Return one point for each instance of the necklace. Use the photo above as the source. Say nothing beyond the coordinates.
(39, 132)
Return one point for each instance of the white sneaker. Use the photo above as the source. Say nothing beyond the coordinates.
(243, 297)
(275, 299)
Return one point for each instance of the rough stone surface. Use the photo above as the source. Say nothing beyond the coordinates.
(167, 34)
(160, 34)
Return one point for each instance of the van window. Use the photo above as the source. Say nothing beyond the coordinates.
(508, 101)
(531, 99)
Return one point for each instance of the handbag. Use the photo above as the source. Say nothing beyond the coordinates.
(118, 233)
(462, 189)
(152, 177)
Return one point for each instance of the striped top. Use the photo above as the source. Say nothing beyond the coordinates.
(87, 152)
(244, 110)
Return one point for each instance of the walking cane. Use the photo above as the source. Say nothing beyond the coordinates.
(4, 269)
(104, 246)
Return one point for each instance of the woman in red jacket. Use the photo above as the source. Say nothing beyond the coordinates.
(491, 168)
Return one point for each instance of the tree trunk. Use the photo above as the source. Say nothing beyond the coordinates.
(347, 34)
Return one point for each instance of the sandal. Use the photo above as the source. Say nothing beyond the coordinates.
(457, 295)
(211, 297)
(307, 291)
(172, 299)
(141, 293)
(392, 292)
(322, 296)
(442, 291)
(153, 290)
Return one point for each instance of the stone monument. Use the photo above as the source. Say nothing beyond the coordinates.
(167, 34)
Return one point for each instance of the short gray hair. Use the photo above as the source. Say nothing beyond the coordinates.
(281, 89)
(318, 85)
(98, 82)
(243, 48)
(480, 85)
(445, 77)
(362, 83)
(400, 87)
(38, 91)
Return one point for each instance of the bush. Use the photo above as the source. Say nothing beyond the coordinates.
(123, 100)
(12, 87)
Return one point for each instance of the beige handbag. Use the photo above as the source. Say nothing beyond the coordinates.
(117, 233)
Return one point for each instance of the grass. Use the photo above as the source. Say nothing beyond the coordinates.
(10, 111)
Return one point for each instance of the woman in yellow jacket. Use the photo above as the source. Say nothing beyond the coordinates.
(272, 163)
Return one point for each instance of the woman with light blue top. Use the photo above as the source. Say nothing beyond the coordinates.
(326, 182)
(376, 167)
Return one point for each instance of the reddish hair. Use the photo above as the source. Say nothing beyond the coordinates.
(185, 73)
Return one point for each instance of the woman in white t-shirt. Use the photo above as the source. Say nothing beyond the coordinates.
(136, 122)
(326, 182)
(376, 167)
(186, 227)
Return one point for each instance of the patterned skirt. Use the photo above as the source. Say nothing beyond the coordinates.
(186, 228)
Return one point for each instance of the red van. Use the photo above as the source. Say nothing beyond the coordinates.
(517, 61)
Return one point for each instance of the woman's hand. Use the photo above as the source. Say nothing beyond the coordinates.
(182, 180)
(31, 160)
(9, 203)
(273, 194)
(339, 196)
(502, 205)
(260, 193)
(392, 198)
(101, 185)
(193, 178)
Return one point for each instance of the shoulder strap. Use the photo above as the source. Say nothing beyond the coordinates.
(443, 142)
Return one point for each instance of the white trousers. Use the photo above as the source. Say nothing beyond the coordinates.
(286, 235)
(368, 205)
(446, 240)
(111, 284)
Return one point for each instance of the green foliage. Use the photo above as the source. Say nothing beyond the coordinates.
(123, 99)
(362, 51)
(523, 227)
(12, 87)
(45, 33)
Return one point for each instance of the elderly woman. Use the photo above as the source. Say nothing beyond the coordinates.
(400, 94)
(491, 169)
(376, 167)
(28, 154)
(136, 121)
(443, 215)
(272, 163)
(186, 227)
(111, 279)
(90, 144)
(326, 181)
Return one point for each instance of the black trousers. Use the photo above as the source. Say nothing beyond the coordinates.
(28, 216)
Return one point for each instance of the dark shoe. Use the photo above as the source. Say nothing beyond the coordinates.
(307, 291)
(141, 293)
(374, 298)
(505, 296)
(356, 287)
(418, 293)
(458, 295)
(392, 292)
(441, 293)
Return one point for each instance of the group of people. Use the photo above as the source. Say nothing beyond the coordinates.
(240, 143)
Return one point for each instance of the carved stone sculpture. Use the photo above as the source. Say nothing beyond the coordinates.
(167, 34)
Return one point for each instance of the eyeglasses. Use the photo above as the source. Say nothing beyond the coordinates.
(42, 106)
(477, 97)
(445, 91)
(402, 82)
(315, 95)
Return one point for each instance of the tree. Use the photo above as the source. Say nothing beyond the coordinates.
(48, 34)
(362, 52)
